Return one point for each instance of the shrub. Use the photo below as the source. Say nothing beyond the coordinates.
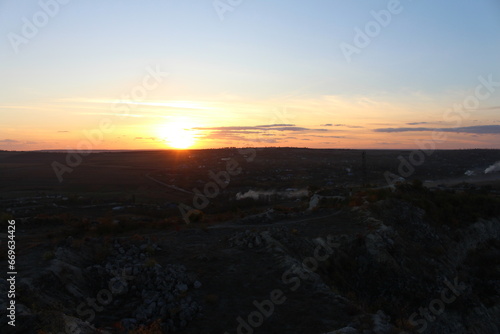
(48, 255)
(152, 328)
(150, 263)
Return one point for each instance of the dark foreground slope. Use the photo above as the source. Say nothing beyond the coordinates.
(377, 262)
(107, 250)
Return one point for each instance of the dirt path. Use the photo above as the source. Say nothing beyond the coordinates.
(170, 186)
(235, 225)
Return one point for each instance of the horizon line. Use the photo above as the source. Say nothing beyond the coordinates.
(240, 147)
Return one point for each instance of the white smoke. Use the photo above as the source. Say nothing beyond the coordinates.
(493, 168)
(296, 193)
(253, 194)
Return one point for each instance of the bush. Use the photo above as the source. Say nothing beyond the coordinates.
(4, 220)
(48, 255)
(153, 328)
(449, 207)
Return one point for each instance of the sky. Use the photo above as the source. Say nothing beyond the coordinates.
(102, 74)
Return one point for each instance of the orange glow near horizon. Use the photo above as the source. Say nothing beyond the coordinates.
(180, 123)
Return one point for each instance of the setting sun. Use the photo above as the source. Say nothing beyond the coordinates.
(178, 134)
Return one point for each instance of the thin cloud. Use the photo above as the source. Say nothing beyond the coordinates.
(490, 108)
(115, 114)
(227, 128)
(233, 137)
(270, 127)
(350, 126)
(291, 128)
(319, 136)
(267, 133)
(480, 129)
(163, 104)
(273, 125)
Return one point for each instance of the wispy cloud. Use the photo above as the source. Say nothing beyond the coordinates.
(227, 128)
(115, 114)
(480, 129)
(490, 108)
(17, 143)
(273, 125)
(417, 123)
(260, 128)
(267, 133)
(235, 137)
(192, 105)
(295, 129)
(318, 136)
(349, 126)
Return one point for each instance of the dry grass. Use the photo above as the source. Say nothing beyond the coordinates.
(153, 328)
(48, 255)
(150, 262)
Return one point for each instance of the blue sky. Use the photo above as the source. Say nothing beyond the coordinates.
(264, 60)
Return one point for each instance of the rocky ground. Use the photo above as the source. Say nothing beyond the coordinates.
(387, 269)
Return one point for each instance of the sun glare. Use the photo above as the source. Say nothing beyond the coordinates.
(178, 134)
